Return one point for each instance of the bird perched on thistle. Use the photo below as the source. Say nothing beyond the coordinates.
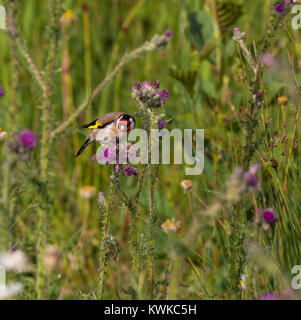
(108, 127)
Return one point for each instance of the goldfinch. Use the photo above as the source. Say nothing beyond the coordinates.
(108, 127)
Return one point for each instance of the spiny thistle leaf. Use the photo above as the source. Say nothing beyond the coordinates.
(227, 14)
(200, 29)
(187, 78)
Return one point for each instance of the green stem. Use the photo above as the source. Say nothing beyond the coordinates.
(134, 233)
(5, 203)
(151, 225)
(152, 218)
(46, 112)
(103, 261)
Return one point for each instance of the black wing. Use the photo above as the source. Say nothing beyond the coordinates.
(93, 123)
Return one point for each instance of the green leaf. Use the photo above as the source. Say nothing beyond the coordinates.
(227, 14)
(200, 29)
(187, 78)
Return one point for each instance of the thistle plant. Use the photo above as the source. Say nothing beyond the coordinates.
(105, 208)
(149, 98)
(253, 82)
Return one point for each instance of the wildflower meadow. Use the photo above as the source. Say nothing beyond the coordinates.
(150, 150)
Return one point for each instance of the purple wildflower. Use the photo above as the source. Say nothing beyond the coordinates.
(251, 180)
(259, 95)
(149, 94)
(28, 139)
(117, 168)
(161, 124)
(163, 94)
(1, 92)
(258, 99)
(268, 59)
(268, 296)
(130, 171)
(156, 84)
(106, 156)
(138, 85)
(254, 168)
(250, 176)
(146, 84)
(168, 33)
(280, 9)
(238, 35)
(269, 216)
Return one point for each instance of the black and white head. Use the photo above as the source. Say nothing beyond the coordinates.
(125, 123)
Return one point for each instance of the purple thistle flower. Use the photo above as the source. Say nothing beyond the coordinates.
(130, 171)
(254, 168)
(156, 84)
(146, 84)
(269, 216)
(280, 8)
(117, 168)
(259, 95)
(163, 94)
(250, 176)
(251, 180)
(268, 296)
(1, 92)
(138, 85)
(268, 59)
(149, 94)
(106, 156)
(161, 124)
(168, 33)
(28, 139)
(236, 29)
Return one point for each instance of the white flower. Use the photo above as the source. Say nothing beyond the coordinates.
(3, 135)
(15, 261)
(7, 292)
(87, 192)
(243, 283)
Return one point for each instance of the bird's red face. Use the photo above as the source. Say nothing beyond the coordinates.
(125, 123)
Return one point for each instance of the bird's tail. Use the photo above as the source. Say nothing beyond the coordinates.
(83, 147)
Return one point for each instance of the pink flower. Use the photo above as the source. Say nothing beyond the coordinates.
(106, 156)
(168, 33)
(28, 139)
(268, 296)
(269, 216)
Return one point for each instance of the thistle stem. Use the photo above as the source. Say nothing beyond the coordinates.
(46, 112)
(103, 261)
(134, 233)
(151, 207)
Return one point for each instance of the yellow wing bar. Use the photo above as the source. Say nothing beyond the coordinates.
(96, 125)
